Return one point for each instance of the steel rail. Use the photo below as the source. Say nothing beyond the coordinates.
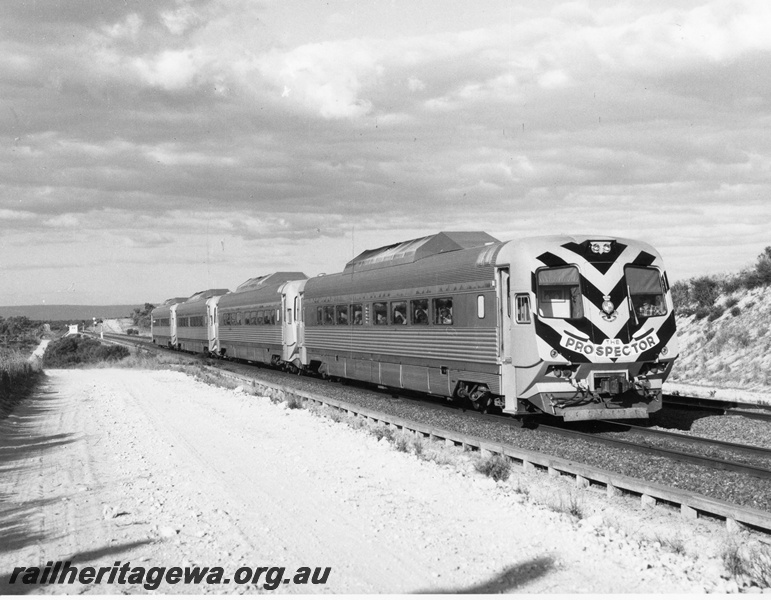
(694, 439)
(726, 408)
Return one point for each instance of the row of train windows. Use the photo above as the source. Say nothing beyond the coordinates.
(400, 312)
(254, 317)
(191, 322)
(162, 323)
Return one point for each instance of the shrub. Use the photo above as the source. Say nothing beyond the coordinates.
(382, 431)
(701, 312)
(73, 351)
(715, 313)
(496, 466)
(736, 311)
(705, 290)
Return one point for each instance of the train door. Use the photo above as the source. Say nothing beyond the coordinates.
(173, 325)
(506, 341)
(290, 321)
(212, 324)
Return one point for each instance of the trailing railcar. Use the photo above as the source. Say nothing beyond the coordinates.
(197, 323)
(576, 327)
(251, 326)
(163, 323)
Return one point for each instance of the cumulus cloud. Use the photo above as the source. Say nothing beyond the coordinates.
(151, 126)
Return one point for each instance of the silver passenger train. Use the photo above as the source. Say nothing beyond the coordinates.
(577, 327)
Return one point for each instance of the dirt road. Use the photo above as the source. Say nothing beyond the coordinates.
(156, 469)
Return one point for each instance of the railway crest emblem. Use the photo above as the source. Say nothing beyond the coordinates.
(608, 310)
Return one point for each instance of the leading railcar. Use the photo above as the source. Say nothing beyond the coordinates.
(579, 327)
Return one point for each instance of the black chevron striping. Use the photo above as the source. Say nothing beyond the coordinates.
(601, 262)
(665, 333)
(644, 259)
(551, 260)
(596, 296)
(553, 339)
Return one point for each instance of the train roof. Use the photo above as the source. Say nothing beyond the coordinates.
(277, 278)
(177, 300)
(260, 289)
(417, 249)
(206, 294)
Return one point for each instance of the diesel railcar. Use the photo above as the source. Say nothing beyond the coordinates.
(163, 323)
(576, 327)
(196, 321)
(257, 322)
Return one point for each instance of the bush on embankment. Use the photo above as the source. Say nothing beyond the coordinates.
(17, 378)
(73, 352)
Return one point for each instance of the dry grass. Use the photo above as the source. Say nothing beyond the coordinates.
(495, 466)
(748, 563)
(17, 379)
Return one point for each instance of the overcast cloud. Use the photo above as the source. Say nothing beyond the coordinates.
(153, 148)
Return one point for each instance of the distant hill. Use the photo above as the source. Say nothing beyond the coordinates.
(69, 312)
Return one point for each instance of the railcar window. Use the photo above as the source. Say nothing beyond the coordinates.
(442, 311)
(329, 315)
(319, 316)
(645, 291)
(356, 314)
(341, 310)
(419, 311)
(278, 315)
(238, 318)
(480, 306)
(379, 313)
(523, 308)
(398, 313)
(559, 293)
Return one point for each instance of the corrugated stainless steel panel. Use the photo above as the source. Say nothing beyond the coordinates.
(443, 269)
(251, 335)
(470, 344)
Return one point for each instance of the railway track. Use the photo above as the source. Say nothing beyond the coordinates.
(748, 410)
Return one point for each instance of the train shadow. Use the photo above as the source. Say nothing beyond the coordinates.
(508, 580)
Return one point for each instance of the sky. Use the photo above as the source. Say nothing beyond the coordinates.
(150, 149)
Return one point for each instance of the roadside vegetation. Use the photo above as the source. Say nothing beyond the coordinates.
(17, 379)
(698, 296)
(75, 351)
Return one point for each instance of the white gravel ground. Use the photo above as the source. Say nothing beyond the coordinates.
(157, 469)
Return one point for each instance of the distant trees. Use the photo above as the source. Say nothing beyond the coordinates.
(141, 315)
(698, 294)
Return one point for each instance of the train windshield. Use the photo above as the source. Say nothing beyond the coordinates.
(559, 293)
(645, 291)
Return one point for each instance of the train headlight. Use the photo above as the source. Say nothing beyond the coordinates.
(664, 351)
(554, 354)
